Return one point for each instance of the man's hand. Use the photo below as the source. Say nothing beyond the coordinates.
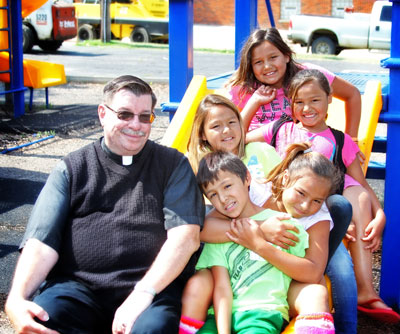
(22, 312)
(277, 231)
(130, 310)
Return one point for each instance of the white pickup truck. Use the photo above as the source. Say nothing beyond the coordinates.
(330, 35)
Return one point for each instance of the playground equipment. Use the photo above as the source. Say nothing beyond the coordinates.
(13, 69)
(181, 73)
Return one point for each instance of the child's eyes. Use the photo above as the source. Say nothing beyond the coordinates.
(318, 201)
(210, 196)
(300, 192)
(228, 186)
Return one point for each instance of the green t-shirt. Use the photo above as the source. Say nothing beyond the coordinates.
(260, 158)
(256, 284)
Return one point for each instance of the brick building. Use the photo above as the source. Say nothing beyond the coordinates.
(222, 12)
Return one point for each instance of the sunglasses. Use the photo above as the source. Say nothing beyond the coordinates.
(127, 116)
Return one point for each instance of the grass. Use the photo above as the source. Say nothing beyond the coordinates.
(131, 45)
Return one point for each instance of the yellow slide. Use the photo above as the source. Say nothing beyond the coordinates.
(37, 74)
(370, 110)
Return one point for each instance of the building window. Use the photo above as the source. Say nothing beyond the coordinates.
(290, 7)
(338, 7)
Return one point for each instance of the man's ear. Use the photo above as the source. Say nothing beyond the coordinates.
(101, 111)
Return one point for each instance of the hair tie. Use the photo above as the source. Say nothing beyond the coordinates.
(307, 150)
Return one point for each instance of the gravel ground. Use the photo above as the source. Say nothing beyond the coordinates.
(43, 156)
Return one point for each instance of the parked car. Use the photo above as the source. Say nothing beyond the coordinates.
(330, 35)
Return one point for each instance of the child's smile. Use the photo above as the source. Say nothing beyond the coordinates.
(269, 64)
(311, 107)
(222, 130)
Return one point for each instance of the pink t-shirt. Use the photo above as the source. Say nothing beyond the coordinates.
(279, 107)
(323, 142)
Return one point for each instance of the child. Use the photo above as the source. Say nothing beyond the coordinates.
(218, 126)
(259, 288)
(266, 68)
(311, 95)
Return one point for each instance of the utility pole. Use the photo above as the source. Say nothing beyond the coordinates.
(105, 29)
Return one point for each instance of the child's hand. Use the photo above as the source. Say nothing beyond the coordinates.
(246, 233)
(264, 95)
(373, 233)
(277, 231)
(351, 232)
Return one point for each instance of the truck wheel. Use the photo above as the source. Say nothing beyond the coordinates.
(323, 45)
(50, 45)
(85, 32)
(140, 35)
(28, 38)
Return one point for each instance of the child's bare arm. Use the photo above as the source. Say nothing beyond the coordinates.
(351, 96)
(373, 231)
(215, 227)
(255, 135)
(222, 299)
(275, 229)
(309, 269)
(263, 95)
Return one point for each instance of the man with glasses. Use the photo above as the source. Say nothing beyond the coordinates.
(111, 238)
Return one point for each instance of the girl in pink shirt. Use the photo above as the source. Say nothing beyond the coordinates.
(259, 86)
(311, 94)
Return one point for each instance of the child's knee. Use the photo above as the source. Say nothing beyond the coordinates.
(200, 285)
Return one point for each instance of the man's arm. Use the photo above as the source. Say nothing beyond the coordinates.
(181, 243)
(39, 255)
(33, 266)
(222, 299)
(184, 214)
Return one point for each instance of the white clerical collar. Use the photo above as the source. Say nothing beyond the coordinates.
(127, 160)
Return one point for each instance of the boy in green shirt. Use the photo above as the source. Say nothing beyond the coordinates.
(250, 294)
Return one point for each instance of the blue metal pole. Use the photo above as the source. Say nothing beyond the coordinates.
(180, 48)
(245, 23)
(390, 270)
(17, 74)
(270, 13)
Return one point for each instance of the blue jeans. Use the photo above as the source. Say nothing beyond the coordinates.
(341, 212)
(75, 309)
(344, 291)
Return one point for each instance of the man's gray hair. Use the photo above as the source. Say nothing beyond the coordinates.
(130, 83)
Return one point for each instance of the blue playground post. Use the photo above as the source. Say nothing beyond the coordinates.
(245, 23)
(390, 270)
(180, 51)
(14, 50)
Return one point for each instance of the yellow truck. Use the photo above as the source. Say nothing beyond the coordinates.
(140, 20)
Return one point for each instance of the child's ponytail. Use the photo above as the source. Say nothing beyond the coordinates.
(299, 157)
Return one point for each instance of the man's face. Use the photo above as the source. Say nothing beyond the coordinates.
(125, 137)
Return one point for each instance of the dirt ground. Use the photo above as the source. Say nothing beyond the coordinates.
(43, 156)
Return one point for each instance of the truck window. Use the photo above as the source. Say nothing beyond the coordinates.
(386, 14)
